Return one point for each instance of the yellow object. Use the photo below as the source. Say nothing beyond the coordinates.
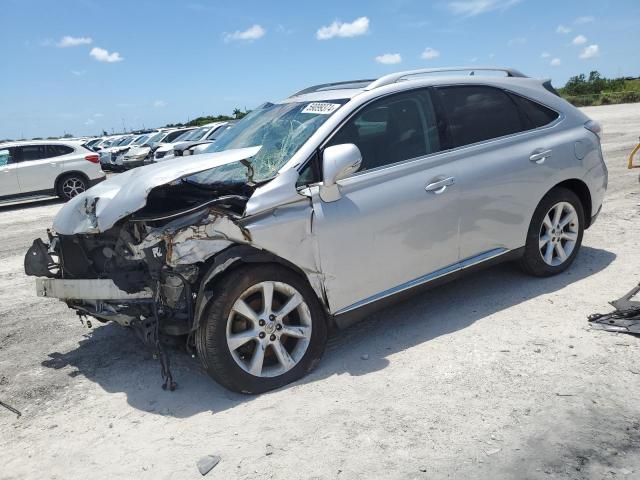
(635, 151)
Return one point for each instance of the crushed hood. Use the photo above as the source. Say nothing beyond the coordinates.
(100, 207)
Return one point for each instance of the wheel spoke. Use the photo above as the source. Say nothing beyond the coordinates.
(283, 356)
(255, 367)
(571, 236)
(546, 238)
(236, 340)
(561, 253)
(296, 331)
(547, 222)
(267, 298)
(245, 310)
(291, 304)
(548, 254)
(568, 218)
(557, 213)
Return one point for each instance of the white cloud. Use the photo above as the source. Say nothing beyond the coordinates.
(159, 104)
(556, 62)
(102, 55)
(545, 55)
(471, 8)
(78, 73)
(359, 26)
(583, 20)
(590, 51)
(579, 40)
(430, 53)
(561, 29)
(252, 33)
(516, 41)
(68, 41)
(389, 58)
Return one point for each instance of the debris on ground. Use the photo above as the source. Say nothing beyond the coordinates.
(206, 463)
(11, 409)
(624, 319)
(268, 450)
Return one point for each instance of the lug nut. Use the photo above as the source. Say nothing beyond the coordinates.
(272, 337)
(272, 317)
(278, 327)
(261, 322)
(261, 335)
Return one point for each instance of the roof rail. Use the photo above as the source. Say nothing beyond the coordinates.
(328, 86)
(396, 77)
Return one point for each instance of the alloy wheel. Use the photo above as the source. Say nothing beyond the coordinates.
(73, 186)
(559, 234)
(268, 329)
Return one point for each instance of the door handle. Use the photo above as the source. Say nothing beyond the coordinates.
(440, 186)
(540, 157)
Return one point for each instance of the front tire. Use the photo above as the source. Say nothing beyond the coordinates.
(262, 328)
(555, 234)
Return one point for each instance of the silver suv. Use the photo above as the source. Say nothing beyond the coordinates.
(313, 211)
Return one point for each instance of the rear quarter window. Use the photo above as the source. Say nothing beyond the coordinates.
(534, 114)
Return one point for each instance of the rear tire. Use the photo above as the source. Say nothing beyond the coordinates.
(555, 234)
(247, 343)
(71, 185)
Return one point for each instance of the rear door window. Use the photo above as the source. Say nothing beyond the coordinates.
(28, 153)
(478, 113)
(58, 150)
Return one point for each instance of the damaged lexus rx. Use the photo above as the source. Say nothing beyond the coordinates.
(313, 211)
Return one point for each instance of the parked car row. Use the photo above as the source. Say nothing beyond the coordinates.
(34, 169)
(130, 151)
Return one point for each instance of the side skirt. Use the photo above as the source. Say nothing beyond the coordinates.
(351, 315)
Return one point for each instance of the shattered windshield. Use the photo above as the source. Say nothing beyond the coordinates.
(280, 129)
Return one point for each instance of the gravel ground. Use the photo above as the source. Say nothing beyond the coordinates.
(494, 376)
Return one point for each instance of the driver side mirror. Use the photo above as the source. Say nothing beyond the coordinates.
(338, 162)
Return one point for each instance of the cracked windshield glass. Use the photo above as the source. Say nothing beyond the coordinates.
(281, 129)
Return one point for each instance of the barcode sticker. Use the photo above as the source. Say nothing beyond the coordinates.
(321, 108)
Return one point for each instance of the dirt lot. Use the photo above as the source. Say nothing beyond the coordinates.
(495, 376)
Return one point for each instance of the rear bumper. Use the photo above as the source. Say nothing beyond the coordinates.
(92, 289)
(132, 163)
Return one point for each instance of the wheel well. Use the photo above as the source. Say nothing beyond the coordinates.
(66, 174)
(234, 257)
(582, 191)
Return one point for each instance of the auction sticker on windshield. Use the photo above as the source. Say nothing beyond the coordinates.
(321, 108)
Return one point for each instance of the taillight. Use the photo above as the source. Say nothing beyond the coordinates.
(594, 127)
(92, 158)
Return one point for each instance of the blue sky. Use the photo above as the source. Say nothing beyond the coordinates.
(81, 66)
